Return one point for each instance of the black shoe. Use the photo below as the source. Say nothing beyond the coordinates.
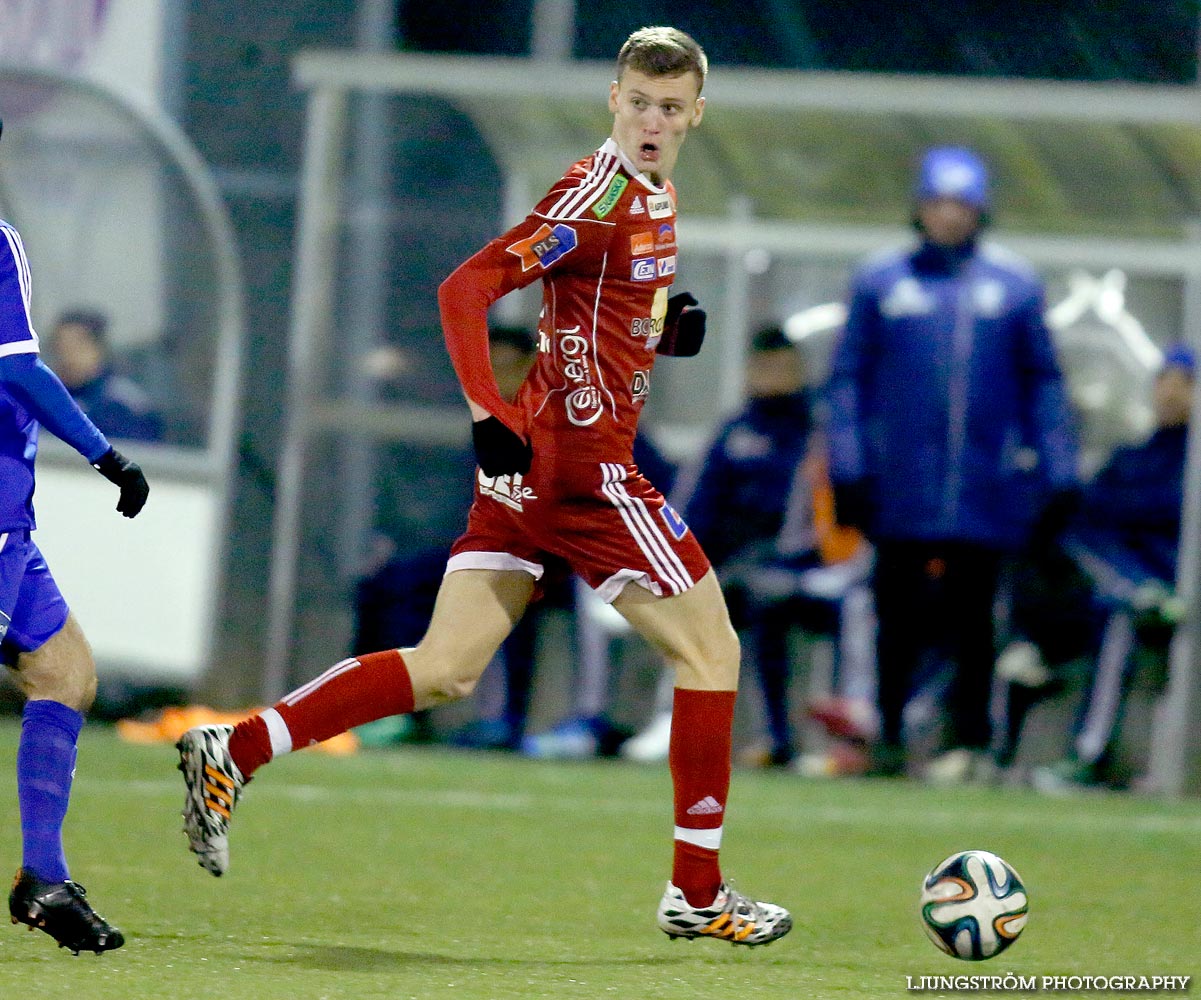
(60, 909)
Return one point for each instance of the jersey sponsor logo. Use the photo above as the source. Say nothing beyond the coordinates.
(505, 489)
(658, 317)
(658, 206)
(604, 204)
(665, 238)
(642, 269)
(544, 246)
(640, 385)
(642, 244)
(646, 326)
(584, 406)
(666, 266)
(583, 403)
(636, 206)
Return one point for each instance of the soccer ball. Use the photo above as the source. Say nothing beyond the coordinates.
(973, 905)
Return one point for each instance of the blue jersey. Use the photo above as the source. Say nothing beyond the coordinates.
(18, 427)
(30, 394)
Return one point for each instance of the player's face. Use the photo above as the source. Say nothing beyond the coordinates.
(651, 117)
(948, 221)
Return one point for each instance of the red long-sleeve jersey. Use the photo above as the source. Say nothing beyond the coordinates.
(603, 241)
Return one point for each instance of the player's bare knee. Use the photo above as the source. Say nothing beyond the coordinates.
(69, 682)
(710, 662)
(440, 675)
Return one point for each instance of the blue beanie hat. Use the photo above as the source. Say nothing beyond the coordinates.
(953, 172)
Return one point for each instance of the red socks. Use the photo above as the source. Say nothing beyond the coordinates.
(701, 726)
(351, 693)
(370, 687)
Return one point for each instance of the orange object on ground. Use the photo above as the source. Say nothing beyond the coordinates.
(171, 723)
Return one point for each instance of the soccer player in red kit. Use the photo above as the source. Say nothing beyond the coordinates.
(557, 484)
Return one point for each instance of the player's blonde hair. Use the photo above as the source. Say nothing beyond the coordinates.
(663, 51)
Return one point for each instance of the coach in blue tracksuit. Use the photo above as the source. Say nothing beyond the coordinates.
(944, 377)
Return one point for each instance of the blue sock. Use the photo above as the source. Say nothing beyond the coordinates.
(45, 767)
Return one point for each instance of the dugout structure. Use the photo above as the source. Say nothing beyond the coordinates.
(791, 178)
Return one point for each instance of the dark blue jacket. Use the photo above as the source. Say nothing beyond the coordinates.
(738, 495)
(119, 407)
(944, 378)
(1130, 516)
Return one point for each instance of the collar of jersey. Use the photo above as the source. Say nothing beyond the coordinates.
(610, 146)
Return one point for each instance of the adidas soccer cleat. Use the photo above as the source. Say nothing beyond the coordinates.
(214, 785)
(730, 917)
(60, 909)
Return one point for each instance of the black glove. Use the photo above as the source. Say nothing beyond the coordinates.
(854, 504)
(498, 450)
(127, 475)
(1056, 515)
(683, 328)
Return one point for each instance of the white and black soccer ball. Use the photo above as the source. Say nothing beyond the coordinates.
(974, 905)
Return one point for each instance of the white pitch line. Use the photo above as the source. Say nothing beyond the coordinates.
(795, 814)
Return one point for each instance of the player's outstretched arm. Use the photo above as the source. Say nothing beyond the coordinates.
(39, 390)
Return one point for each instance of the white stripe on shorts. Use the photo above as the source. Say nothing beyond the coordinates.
(644, 530)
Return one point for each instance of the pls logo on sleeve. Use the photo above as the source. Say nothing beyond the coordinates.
(544, 246)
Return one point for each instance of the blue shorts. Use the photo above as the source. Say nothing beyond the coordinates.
(32, 609)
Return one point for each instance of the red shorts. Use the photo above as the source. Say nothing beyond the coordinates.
(603, 519)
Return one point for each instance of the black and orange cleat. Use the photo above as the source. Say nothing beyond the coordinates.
(214, 785)
(60, 909)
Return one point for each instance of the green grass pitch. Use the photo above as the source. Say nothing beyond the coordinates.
(434, 874)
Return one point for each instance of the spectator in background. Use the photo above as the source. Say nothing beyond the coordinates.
(1125, 539)
(735, 503)
(944, 370)
(735, 496)
(79, 346)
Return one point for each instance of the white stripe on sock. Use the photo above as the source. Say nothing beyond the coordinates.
(306, 689)
(708, 839)
(277, 729)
